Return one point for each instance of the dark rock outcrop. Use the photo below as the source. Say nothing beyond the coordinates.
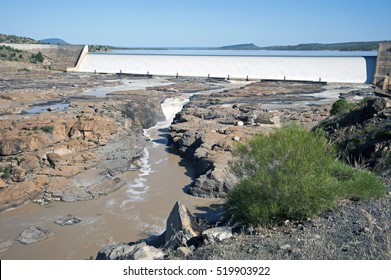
(146, 113)
(364, 134)
(181, 227)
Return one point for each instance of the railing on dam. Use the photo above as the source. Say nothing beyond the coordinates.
(329, 69)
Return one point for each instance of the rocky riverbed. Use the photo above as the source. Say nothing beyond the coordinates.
(86, 149)
(72, 137)
(206, 130)
(72, 154)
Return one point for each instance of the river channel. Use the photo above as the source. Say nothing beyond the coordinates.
(137, 210)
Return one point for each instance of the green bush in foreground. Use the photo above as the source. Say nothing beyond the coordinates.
(341, 106)
(293, 174)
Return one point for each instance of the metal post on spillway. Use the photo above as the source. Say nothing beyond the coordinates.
(320, 80)
(247, 78)
(208, 77)
(228, 78)
(177, 75)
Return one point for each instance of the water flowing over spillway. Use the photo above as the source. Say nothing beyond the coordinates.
(315, 68)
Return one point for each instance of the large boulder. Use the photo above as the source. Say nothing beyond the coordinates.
(35, 234)
(145, 113)
(18, 174)
(123, 251)
(30, 163)
(181, 227)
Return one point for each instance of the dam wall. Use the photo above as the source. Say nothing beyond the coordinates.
(311, 68)
(62, 56)
(383, 66)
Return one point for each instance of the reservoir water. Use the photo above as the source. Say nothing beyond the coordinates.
(190, 51)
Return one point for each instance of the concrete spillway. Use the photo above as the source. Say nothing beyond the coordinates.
(328, 69)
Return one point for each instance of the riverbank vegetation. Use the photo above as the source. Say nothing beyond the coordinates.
(293, 174)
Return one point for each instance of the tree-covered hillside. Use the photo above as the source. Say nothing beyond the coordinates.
(13, 39)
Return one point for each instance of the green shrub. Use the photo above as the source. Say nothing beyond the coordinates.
(6, 172)
(37, 58)
(292, 174)
(47, 129)
(341, 106)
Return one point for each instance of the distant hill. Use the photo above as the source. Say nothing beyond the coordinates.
(54, 41)
(13, 39)
(250, 46)
(348, 46)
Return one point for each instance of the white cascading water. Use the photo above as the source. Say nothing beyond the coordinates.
(136, 191)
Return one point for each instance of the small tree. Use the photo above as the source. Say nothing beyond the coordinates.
(39, 57)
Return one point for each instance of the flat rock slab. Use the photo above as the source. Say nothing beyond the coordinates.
(122, 251)
(35, 234)
(68, 220)
(5, 245)
(217, 234)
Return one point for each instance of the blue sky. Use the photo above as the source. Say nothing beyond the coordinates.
(175, 23)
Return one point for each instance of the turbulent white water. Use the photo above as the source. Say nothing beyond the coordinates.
(137, 190)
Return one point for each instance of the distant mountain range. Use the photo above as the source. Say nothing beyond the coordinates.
(54, 41)
(349, 46)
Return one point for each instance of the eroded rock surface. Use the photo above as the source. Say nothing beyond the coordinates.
(73, 154)
(207, 129)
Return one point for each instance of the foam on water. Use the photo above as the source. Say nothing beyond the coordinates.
(138, 188)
